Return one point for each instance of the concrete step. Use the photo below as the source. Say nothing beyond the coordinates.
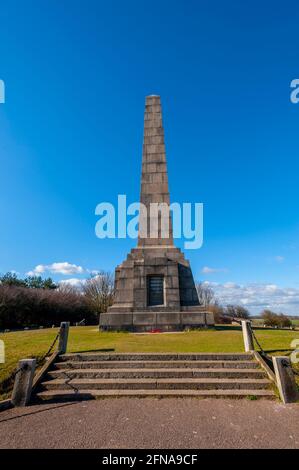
(156, 373)
(111, 364)
(67, 395)
(93, 375)
(166, 383)
(156, 357)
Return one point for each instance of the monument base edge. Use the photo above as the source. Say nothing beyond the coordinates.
(148, 321)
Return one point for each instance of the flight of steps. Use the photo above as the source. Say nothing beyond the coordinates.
(83, 376)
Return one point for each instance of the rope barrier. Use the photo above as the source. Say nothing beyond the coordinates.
(40, 360)
(285, 363)
(69, 378)
(253, 334)
(257, 341)
(269, 358)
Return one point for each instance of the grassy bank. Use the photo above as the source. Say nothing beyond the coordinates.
(25, 344)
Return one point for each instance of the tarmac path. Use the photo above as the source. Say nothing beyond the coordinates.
(152, 423)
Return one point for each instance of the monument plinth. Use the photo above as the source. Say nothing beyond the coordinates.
(154, 286)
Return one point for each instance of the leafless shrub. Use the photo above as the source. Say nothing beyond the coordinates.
(237, 311)
(21, 307)
(99, 292)
(205, 294)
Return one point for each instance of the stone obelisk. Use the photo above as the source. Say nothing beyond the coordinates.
(154, 179)
(154, 286)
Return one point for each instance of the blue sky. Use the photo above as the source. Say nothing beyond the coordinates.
(76, 76)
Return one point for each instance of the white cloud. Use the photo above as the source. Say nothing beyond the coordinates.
(257, 297)
(74, 282)
(208, 270)
(57, 268)
(279, 259)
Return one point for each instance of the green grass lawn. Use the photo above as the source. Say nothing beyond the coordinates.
(26, 344)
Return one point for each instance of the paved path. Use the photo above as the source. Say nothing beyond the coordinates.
(152, 423)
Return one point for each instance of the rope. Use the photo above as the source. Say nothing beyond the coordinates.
(40, 360)
(285, 363)
(237, 320)
(257, 341)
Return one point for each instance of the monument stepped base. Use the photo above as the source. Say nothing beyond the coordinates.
(100, 375)
(161, 320)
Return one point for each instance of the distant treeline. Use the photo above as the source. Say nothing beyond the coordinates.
(230, 312)
(36, 302)
(275, 319)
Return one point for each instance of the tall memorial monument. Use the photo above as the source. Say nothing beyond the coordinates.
(154, 286)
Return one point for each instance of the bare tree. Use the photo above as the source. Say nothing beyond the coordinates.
(99, 291)
(237, 311)
(67, 288)
(205, 294)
